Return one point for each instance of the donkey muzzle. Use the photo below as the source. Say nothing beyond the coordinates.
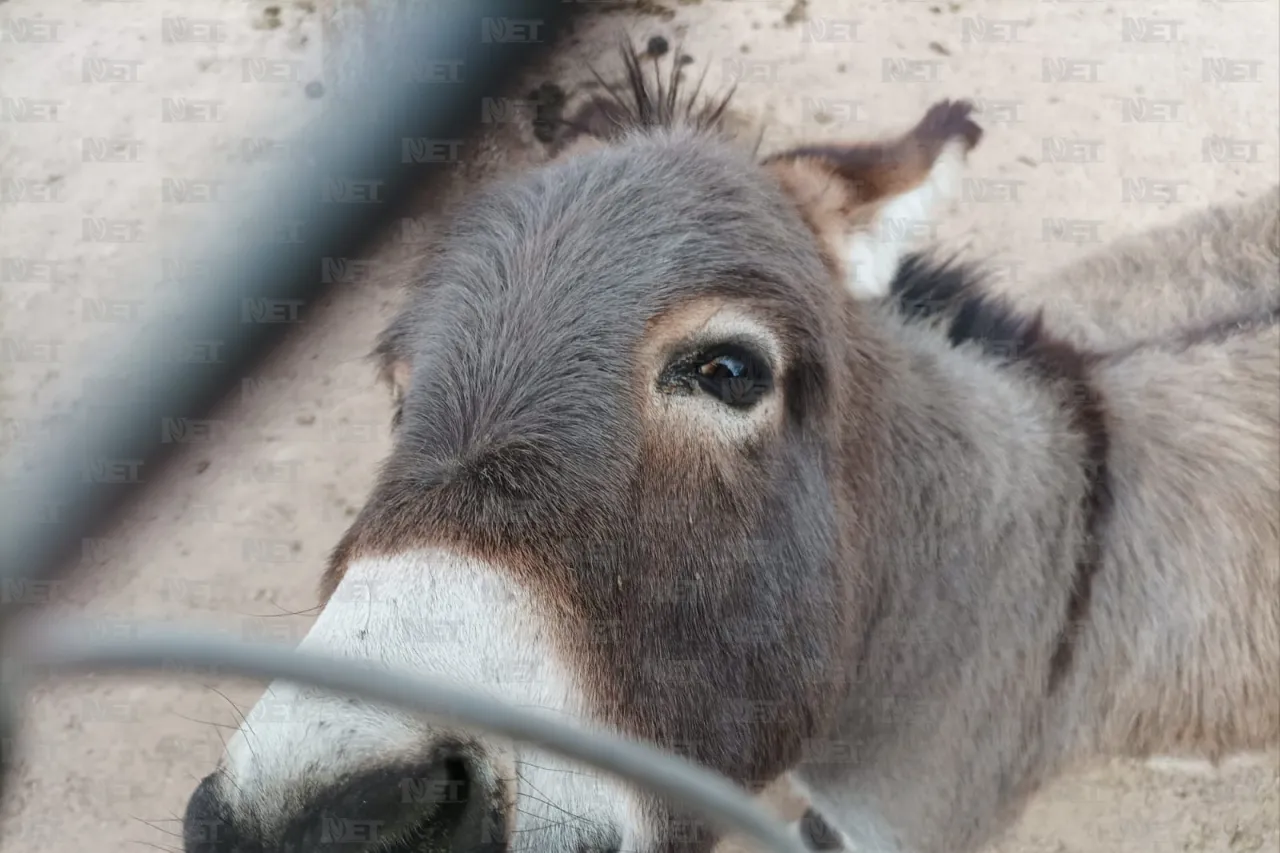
(310, 771)
(436, 805)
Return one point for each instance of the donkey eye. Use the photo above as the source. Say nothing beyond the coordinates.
(734, 375)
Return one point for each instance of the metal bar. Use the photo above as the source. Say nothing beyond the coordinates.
(189, 358)
(75, 487)
(63, 649)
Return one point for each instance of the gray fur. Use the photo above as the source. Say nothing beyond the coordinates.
(1181, 654)
(1211, 263)
(888, 569)
(948, 543)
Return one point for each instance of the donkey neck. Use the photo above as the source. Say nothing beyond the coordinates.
(1026, 420)
(997, 454)
(973, 531)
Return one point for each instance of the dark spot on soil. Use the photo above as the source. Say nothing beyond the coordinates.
(939, 48)
(202, 466)
(315, 89)
(798, 12)
(842, 67)
(270, 19)
(686, 59)
(658, 46)
(1027, 160)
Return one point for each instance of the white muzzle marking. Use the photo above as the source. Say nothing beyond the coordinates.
(441, 615)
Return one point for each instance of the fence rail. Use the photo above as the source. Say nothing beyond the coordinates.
(66, 495)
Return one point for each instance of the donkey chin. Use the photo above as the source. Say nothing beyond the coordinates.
(689, 448)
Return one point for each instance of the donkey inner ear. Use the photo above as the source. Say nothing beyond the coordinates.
(862, 198)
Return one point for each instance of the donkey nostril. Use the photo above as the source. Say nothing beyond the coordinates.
(446, 801)
(457, 788)
(207, 825)
(434, 806)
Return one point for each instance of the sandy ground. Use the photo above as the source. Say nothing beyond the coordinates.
(1102, 118)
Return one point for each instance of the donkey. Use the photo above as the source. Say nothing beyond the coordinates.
(683, 452)
(1217, 264)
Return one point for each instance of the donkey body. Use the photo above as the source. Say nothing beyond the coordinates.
(1213, 265)
(674, 456)
(1173, 623)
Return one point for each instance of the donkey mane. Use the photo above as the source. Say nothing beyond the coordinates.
(927, 288)
(932, 290)
(641, 104)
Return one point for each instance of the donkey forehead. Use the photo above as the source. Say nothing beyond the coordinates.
(529, 344)
(605, 241)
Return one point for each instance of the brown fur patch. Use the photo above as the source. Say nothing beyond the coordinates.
(828, 206)
(1061, 362)
(839, 188)
(878, 171)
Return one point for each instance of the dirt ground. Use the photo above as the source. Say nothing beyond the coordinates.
(1101, 117)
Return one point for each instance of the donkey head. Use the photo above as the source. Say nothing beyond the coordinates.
(624, 490)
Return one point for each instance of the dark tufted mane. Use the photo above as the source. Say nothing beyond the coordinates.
(926, 289)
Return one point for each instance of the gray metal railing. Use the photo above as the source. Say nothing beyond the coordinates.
(89, 467)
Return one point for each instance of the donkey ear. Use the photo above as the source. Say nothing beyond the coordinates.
(858, 196)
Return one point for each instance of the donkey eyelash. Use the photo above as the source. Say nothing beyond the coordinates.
(721, 335)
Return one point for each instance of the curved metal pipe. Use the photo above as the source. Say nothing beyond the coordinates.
(64, 648)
